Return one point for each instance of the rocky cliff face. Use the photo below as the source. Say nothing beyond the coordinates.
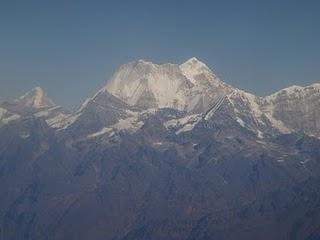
(163, 152)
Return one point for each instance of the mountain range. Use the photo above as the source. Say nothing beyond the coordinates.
(162, 152)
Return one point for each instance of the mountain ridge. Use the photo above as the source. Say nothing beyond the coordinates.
(194, 88)
(200, 99)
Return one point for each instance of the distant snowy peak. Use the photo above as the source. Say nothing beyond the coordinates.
(298, 108)
(36, 98)
(295, 91)
(189, 86)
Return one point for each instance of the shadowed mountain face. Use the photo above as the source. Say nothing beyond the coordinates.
(162, 152)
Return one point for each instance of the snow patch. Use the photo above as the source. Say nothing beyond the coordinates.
(46, 113)
(130, 124)
(184, 124)
(6, 116)
(241, 122)
(259, 134)
(3, 112)
(101, 132)
(10, 118)
(62, 121)
(213, 110)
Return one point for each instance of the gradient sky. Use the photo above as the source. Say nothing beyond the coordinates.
(70, 48)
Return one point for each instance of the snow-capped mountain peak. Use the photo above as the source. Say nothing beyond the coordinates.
(195, 64)
(295, 89)
(190, 86)
(199, 73)
(35, 98)
(150, 85)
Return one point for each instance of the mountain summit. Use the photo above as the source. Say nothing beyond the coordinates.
(190, 86)
(36, 98)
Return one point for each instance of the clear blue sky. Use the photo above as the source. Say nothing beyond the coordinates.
(70, 48)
